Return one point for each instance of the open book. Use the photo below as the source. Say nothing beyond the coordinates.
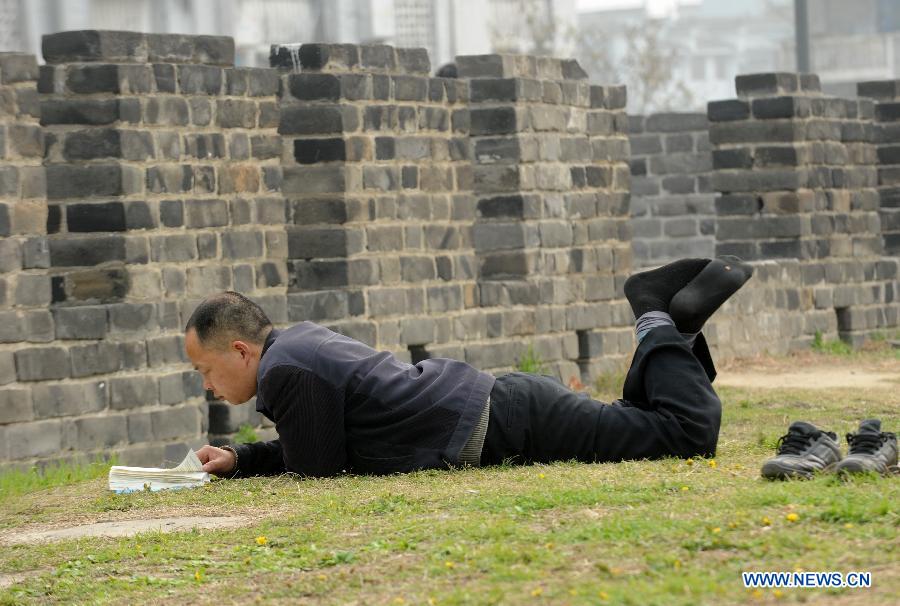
(188, 474)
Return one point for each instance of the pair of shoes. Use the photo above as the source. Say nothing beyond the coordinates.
(805, 450)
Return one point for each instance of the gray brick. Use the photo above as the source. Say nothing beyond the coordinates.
(94, 359)
(32, 290)
(206, 213)
(15, 405)
(176, 422)
(132, 317)
(42, 363)
(80, 322)
(7, 367)
(166, 350)
(140, 427)
(67, 399)
(132, 392)
(37, 439)
(101, 432)
(242, 244)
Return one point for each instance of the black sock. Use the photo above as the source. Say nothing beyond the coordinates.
(693, 305)
(652, 290)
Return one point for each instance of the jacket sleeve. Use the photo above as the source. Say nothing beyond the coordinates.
(309, 418)
(258, 459)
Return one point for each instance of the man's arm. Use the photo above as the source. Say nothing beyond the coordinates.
(243, 460)
(309, 418)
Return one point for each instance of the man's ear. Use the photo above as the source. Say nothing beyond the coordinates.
(241, 347)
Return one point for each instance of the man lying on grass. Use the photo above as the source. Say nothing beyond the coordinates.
(339, 405)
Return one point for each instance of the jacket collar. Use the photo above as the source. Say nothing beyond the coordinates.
(273, 334)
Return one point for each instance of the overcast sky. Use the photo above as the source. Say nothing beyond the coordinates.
(656, 7)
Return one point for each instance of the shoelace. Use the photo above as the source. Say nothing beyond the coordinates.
(865, 443)
(793, 443)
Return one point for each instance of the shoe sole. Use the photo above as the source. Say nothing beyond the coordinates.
(774, 470)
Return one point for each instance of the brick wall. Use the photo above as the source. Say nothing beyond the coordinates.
(552, 230)
(471, 218)
(886, 95)
(797, 173)
(26, 325)
(672, 201)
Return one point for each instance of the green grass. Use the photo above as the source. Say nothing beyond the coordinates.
(835, 347)
(531, 362)
(16, 483)
(643, 532)
(245, 435)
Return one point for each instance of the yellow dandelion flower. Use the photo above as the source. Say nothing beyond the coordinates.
(321, 577)
(541, 476)
(712, 463)
(766, 521)
(732, 524)
(778, 593)
(399, 600)
(689, 461)
(431, 601)
(573, 592)
(536, 591)
(848, 525)
(548, 545)
(603, 596)
(716, 530)
(261, 540)
(792, 517)
(758, 594)
(684, 489)
(198, 576)
(449, 564)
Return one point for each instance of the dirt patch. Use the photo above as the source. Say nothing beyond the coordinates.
(10, 579)
(808, 370)
(121, 528)
(811, 378)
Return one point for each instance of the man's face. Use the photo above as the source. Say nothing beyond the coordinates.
(229, 373)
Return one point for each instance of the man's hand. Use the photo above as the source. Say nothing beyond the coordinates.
(217, 460)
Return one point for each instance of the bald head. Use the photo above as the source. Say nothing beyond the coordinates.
(228, 316)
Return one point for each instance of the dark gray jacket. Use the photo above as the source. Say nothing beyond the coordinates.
(338, 404)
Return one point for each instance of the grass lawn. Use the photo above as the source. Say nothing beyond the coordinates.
(646, 532)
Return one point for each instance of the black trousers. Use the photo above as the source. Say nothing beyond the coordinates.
(669, 408)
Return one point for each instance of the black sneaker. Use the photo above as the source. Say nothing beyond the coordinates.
(802, 451)
(870, 450)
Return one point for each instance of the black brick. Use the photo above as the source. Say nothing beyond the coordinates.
(65, 181)
(731, 158)
(54, 218)
(493, 89)
(94, 143)
(409, 177)
(200, 79)
(512, 207)
(310, 120)
(312, 151)
(766, 84)
(77, 252)
(494, 121)
(108, 216)
(775, 156)
(314, 86)
(165, 77)
(385, 148)
(86, 79)
(726, 111)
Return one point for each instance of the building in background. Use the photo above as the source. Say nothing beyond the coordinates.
(681, 60)
(445, 27)
(852, 42)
